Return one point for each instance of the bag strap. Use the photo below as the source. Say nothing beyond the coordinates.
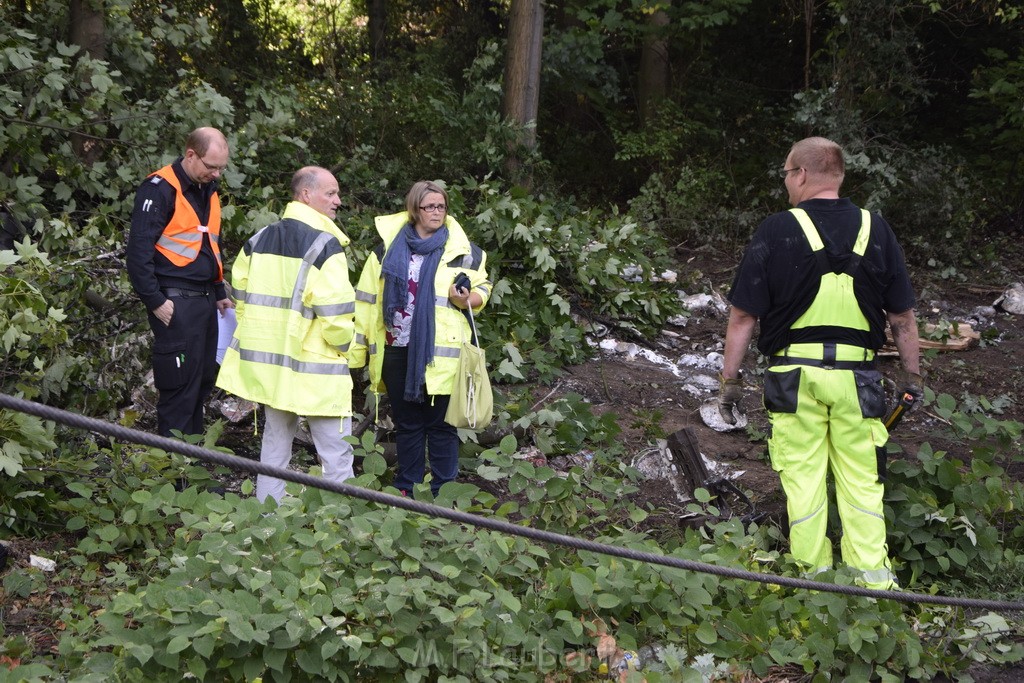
(468, 312)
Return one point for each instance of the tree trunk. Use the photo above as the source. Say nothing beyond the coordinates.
(377, 12)
(654, 64)
(522, 76)
(88, 30)
(88, 27)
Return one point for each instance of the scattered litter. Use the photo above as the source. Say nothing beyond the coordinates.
(678, 320)
(46, 564)
(711, 361)
(620, 665)
(532, 455)
(959, 336)
(235, 409)
(713, 418)
(1012, 300)
(564, 463)
(706, 304)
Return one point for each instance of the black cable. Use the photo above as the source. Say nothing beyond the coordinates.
(191, 450)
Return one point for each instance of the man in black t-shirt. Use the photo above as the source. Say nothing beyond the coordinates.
(823, 279)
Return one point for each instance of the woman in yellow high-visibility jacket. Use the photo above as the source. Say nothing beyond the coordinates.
(410, 327)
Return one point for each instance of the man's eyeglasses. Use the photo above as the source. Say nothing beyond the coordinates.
(786, 171)
(211, 169)
(434, 207)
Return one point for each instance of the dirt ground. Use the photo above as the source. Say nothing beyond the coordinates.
(653, 398)
(656, 387)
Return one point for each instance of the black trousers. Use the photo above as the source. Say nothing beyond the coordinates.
(185, 362)
(419, 427)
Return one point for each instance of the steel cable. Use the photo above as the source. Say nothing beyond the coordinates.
(173, 445)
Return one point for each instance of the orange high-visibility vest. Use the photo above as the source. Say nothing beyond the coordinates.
(183, 237)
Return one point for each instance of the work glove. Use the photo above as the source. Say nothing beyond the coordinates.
(730, 392)
(462, 282)
(913, 384)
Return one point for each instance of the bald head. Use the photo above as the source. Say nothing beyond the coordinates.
(820, 157)
(202, 139)
(317, 188)
(814, 169)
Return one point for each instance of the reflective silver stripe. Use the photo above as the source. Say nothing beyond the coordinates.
(443, 302)
(177, 248)
(366, 297)
(268, 300)
(867, 512)
(446, 352)
(280, 360)
(804, 519)
(373, 349)
(344, 347)
(335, 309)
(881, 575)
(484, 288)
(240, 295)
(255, 240)
(307, 263)
(294, 302)
(360, 339)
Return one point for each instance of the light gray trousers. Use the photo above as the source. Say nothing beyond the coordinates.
(328, 436)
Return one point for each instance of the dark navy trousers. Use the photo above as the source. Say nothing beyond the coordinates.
(419, 428)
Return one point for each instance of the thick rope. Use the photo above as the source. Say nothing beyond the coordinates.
(191, 450)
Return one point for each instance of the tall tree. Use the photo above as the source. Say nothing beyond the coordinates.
(377, 14)
(522, 75)
(87, 29)
(655, 65)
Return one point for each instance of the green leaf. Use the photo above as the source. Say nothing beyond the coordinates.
(582, 586)
(177, 644)
(706, 634)
(109, 533)
(608, 600)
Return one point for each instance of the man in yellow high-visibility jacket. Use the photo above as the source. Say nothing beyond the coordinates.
(823, 279)
(296, 310)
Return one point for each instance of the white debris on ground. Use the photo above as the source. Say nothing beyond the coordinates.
(713, 417)
(43, 563)
(234, 409)
(656, 463)
(634, 273)
(1012, 300)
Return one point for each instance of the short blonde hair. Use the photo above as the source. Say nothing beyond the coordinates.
(820, 156)
(417, 192)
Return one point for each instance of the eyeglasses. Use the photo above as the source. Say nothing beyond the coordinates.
(786, 171)
(211, 169)
(434, 207)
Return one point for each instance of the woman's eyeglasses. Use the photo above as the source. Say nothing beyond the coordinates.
(434, 207)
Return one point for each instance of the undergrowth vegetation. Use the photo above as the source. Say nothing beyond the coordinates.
(326, 587)
(152, 582)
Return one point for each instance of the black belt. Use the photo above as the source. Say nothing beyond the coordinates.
(818, 363)
(183, 293)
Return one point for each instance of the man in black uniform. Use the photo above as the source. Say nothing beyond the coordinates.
(823, 279)
(175, 266)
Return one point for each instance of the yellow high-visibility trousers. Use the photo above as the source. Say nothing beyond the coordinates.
(826, 419)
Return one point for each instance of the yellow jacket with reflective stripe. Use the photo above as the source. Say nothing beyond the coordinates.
(296, 317)
(450, 324)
